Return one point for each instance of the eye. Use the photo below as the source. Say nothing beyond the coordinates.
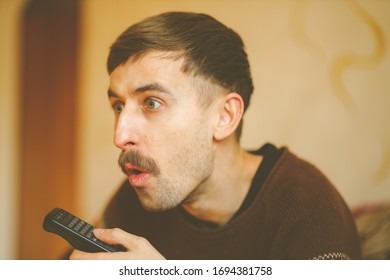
(117, 107)
(152, 104)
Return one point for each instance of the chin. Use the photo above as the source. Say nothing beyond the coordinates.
(156, 208)
(157, 201)
(153, 206)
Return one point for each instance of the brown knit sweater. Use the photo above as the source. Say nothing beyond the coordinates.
(296, 214)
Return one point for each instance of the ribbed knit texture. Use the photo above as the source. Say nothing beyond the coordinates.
(297, 214)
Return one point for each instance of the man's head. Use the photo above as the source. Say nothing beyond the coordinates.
(210, 50)
(179, 83)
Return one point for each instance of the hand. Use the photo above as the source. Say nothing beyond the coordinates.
(138, 248)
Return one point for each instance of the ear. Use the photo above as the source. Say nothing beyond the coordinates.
(229, 117)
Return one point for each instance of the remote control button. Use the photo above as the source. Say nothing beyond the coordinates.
(59, 216)
(84, 230)
(73, 222)
(68, 218)
(90, 233)
(79, 225)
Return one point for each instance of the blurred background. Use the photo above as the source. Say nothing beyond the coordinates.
(322, 87)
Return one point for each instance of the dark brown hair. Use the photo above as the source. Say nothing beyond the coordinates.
(211, 50)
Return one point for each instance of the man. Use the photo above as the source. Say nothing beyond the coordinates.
(179, 86)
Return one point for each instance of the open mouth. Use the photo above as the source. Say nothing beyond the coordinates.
(132, 162)
(137, 176)
(136, 172)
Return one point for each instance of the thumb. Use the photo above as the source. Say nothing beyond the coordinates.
(116, 236)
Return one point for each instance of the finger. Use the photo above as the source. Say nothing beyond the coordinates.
(80, 255)
(118, 236)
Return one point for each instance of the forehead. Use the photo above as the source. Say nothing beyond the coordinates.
(153, 60)
(151, 67)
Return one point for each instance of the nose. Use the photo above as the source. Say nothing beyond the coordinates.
(126, 130)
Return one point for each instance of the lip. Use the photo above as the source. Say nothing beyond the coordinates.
(136, 175)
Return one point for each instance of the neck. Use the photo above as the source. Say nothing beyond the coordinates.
(220, 196)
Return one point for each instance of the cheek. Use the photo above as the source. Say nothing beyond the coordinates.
(190, 149)
(176, 132)
(179, 143)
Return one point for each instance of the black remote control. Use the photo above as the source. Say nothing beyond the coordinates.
(77, 232)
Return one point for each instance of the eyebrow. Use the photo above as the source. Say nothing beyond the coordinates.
(156, 87)
(110, 94)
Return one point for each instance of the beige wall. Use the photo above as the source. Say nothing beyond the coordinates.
(321, 87)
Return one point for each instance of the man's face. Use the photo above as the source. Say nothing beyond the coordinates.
(164, 133)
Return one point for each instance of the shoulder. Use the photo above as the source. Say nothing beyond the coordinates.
(309, 214)
(299, 179)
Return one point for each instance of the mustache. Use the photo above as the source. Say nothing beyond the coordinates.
(136, 158)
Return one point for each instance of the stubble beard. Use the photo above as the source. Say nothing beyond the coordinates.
(192, 171)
